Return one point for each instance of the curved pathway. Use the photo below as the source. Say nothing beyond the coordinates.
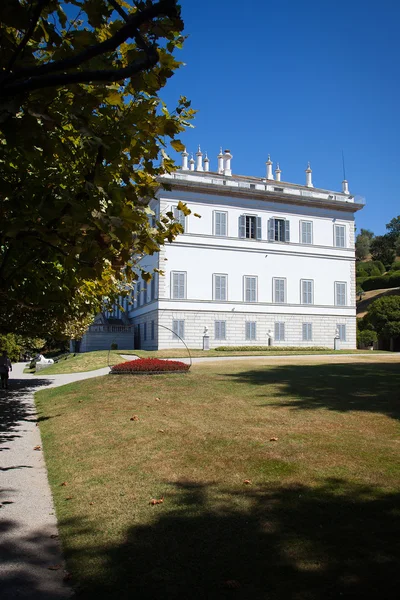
(28, 528)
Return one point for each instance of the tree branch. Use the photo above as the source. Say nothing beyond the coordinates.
(35, 18)
(130, 29)
(109, 75)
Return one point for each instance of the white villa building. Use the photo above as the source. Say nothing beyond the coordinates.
(268, 262)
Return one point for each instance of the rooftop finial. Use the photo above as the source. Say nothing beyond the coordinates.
(309, 182)
(269, 163)
(278, 172)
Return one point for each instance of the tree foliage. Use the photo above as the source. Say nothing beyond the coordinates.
(384, 316)
(382, 249)
(82, 133)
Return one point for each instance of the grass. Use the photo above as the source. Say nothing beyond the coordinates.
(319, 519)
(90, 361)
(87, 361)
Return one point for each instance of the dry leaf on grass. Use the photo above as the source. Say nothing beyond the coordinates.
(91, 503)
(134, 418)
(54, 567)
(273, 439)
(37, 447)
(161, 431)
(247, 481)
(69, 498)
(63, 484)
(155, 501)
(158, 398)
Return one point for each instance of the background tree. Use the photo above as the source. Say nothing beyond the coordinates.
(382, 249)
(82, 134)
(363, 243)
(384, 316)
(393, 228)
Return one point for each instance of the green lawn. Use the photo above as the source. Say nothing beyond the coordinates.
(89, 361)
(319, 518)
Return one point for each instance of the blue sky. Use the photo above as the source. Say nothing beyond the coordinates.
(301, 81)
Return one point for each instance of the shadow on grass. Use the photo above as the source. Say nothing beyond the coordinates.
(372, 387)
(16, 406)
(287, 543)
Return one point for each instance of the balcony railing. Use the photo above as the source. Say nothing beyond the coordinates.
(111, 329)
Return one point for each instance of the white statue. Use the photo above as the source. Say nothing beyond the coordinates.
(205, 332)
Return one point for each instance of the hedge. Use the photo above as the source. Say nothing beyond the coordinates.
(270, 348)
(150, 365)
(382, 282)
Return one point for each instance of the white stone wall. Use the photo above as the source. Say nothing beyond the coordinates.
(323, 326)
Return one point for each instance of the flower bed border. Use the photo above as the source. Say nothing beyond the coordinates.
(185, 371)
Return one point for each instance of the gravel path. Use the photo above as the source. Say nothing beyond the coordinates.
(28, 528)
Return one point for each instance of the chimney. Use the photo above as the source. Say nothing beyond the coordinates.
(269, 168)
(227, 163)
(309, 182)
(191, 163)
(185, 160)
(220, 162)
(206, 163)
(278, 172)
(345, 186)
(199, 160)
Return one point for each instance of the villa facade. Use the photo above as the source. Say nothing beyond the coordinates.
(268, 262)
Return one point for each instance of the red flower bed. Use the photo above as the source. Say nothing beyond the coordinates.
(149, 365)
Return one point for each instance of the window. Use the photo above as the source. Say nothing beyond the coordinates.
(220, 223)
(341, 330)
(306, 231)
(279, 331)
(250, 227)
(220, 286)
(220, 330)
(178, 286)
(307, 332)
(144, 331)
(279, 290)
(179, 217)
(251, 330)
(153, 287)
(307, 291)
(340, 236)
(178, 328)
(278, 230)
(152, 330)
(139, 293)
(250, 289)
(340, 293)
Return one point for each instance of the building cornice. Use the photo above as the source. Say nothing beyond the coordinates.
(248, 193)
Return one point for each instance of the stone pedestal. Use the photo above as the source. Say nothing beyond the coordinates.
(336, 344)
(206, 342)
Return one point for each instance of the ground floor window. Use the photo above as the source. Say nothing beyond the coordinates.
(307, 332)
(178, 328)
(279, 331)
(341, 329)
(220, 330)
(251, 330)
(152, 330)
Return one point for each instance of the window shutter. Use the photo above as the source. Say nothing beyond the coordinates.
(259, 230)
(287, 231)
(222, 288)
(271, 230)
(242, 226)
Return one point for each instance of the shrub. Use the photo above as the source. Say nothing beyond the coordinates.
(149, 365)
(382, 282)
(270, 348)
(370, 268)
(395, 266)
(366, 338)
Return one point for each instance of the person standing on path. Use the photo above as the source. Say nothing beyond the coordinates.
(5, 367)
